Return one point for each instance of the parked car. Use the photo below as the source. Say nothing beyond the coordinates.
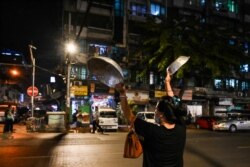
(148, 116)
(234, 123)
(108, 118)
(206, 122)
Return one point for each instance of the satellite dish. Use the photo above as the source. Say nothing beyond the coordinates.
(105, 70)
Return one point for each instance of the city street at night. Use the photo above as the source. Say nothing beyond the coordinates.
(77, 75)
(203, 149)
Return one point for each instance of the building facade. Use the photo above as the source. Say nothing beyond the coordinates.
(109, 28)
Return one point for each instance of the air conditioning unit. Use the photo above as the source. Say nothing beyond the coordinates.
(77, 83)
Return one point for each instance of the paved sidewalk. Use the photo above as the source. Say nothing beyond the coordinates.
(21, 133)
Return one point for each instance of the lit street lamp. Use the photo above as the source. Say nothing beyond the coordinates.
(14, 72)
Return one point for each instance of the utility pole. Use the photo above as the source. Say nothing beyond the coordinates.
(68, 90)
(71, 49)
(33, 61)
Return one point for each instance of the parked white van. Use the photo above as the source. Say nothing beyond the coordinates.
(148, 116)
(108, 119)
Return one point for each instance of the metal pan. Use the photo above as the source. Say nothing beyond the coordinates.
(105, 70)
(176, 65)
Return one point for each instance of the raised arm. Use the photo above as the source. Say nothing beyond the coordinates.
(124, 103)
(168, 87)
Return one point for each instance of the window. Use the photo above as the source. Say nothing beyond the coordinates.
(79, 72)
(196, 2)
(220, 4)
(232, 41)
(244, 85)
(218, 84)
(244, 68)
(118, 5)
(232, 6)
(157, 10)
(108, 114)
(98, 49)
(138, 9)
(151, 78)
(202, 2)
(226, 5)
(246, 47)
(230, 83)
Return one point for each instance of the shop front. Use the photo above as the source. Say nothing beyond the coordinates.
(80, 102)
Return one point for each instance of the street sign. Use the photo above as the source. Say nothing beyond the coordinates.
(30, 89)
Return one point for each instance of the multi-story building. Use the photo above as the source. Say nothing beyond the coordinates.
(109, 28)
(13, 69)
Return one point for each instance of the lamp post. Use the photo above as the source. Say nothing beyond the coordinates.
(70, 49)
(33, 61)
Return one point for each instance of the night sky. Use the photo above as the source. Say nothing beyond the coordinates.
(36, 22)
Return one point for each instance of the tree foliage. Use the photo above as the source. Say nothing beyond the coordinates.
(207, 45)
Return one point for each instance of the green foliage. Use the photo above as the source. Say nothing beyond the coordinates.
(207, 45)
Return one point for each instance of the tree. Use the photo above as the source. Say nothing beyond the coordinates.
(208, 46)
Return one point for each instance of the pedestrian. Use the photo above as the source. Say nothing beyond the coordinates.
(74, 117)
(95, 123)
(163, 144)
(9, 120)
(79, 119)
(189, 118)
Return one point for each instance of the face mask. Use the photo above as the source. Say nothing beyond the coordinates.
(157, 120)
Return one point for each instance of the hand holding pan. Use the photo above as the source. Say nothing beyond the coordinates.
(105, 70)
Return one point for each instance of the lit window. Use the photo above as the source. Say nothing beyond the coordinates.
(244, 85)
(232, 6)
(246, 47)
(155, 9)
(151, 78)
(98, 49)
(138, 9)
(220, 4)
(196, 2)
(79, 72)
(118, 5)
(202, 2)
(230, 83)
(218, 83)
(244, 68)
(226, 5)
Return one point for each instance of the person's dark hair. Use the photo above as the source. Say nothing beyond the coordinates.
(171, 110)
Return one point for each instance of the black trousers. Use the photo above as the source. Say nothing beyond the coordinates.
(96, 125)
(8, 126)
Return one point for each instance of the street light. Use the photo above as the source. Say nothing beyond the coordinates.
(14, 72)
(33, 61)
(70, 49)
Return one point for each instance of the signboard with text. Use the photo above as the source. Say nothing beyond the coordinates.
(79, 91)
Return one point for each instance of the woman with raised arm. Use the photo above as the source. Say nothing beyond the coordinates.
(163, 144)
